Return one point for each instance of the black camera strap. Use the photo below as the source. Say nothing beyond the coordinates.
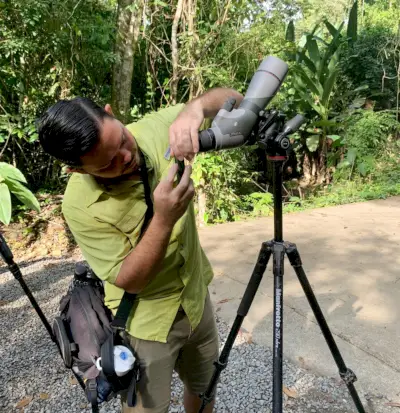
(128, 299)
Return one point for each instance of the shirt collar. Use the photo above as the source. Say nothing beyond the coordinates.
(96, 189)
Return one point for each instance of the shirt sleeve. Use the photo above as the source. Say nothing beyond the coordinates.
(103, 246)
(169, 114)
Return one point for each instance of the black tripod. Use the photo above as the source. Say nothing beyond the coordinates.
(277, 145)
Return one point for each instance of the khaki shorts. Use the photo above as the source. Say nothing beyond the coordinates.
(190, 353)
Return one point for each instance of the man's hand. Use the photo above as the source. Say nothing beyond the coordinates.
(184, 132)
(170, 202)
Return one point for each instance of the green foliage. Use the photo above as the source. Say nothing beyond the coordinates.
(368, 131)
(341, 61)
(382, 183)
(12, 182)
(48, 51)
(367, 136)
(370, 58)
(223, 177)
(261, 202)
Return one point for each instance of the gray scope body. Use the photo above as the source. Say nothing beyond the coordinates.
(232, 127)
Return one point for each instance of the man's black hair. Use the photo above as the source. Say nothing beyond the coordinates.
(71, 128)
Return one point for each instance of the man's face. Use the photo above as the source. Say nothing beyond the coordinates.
(115, 155)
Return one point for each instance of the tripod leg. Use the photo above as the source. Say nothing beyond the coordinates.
(279, 256)
(251, 290)
(346, 374)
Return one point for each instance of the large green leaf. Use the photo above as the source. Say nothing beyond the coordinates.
(313, 86)
(303, 41)
(330, 51)
(352, 25)
(362, 168)
(312, 142)
(306, 97)
(290, 36)
(332, 30)
(5, 204)
(326, 123)
(308, 62)
(333, 61)
(23, 194)
(336, 140)
(9, 171)
(313, 50)
(328, 87)
(351, 155)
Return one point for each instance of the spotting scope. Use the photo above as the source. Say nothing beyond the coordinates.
(232, 127)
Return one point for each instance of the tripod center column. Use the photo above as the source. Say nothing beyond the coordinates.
(277, 193)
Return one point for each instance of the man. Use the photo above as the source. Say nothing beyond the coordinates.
(172, 326)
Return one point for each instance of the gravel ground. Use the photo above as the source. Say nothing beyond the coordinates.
(31, 370)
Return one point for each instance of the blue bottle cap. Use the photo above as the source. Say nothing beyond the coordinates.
(123, 355)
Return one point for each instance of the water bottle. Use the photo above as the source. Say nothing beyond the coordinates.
(123, 360)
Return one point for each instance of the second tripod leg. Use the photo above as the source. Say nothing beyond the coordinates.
(252, 287)
(345, 373)
(279, 256)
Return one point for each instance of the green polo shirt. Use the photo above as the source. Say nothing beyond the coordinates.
(106, 224)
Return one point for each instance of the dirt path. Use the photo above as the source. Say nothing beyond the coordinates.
(351, 256)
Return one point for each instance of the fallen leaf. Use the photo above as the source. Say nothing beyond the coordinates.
(225, 300)
(393, 404)
(43, 251)
(57, 253)
(83, 405)
(24, 402)
(44, 396)
(289, 392)
(73, 381)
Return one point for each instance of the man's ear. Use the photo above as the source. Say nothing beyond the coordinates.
(108, 109)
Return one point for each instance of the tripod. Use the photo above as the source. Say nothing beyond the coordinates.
(276, 147)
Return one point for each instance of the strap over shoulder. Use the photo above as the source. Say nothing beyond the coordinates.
(128, 299)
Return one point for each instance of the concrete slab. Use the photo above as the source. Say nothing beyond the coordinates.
(351, 256)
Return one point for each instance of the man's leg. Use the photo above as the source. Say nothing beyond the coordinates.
(195, 364)
(192, 403)
(157, 362)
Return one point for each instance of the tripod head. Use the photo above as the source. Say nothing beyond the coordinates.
(273, 132)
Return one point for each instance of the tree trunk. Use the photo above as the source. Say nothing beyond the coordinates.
(128, 28)
(314, 170)
(175, 55)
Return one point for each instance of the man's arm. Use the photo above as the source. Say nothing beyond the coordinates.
(184, 131)
(144, 262)
(210, 102)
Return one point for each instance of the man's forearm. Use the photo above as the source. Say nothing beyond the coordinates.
(211, 101)
(143, 263)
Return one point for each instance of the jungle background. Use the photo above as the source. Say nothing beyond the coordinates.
(140, 56)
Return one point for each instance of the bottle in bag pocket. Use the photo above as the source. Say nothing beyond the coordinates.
(124, 360)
